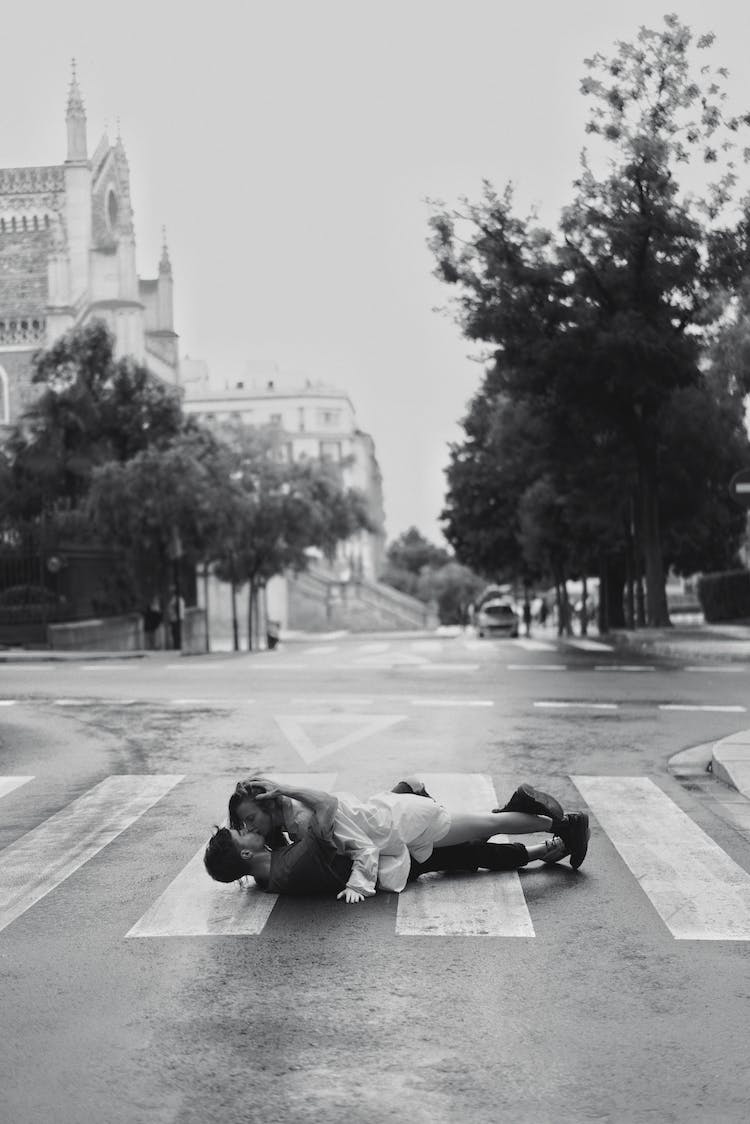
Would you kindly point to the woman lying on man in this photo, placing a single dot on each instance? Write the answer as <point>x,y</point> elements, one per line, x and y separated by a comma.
<point>303,841</point>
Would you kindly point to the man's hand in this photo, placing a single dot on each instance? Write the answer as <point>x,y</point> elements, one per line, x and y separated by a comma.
<point>350,896</point>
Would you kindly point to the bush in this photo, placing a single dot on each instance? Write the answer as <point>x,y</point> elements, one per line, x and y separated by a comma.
<point>725,596</point>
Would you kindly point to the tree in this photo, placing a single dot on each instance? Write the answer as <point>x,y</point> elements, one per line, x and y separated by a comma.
<point>611,314</point>
<point>454,587</point>
<point>162,495</point>
<point>278,511</point>
<point>92,409</point>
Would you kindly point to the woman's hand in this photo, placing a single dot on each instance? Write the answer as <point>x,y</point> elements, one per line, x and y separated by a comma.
<point>271,793</point>
<point>350,896</point>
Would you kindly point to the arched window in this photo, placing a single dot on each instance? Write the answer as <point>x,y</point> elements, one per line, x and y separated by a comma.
<point>4,398</point>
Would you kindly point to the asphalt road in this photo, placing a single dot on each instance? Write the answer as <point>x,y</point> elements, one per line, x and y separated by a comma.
<point>596,1007</point>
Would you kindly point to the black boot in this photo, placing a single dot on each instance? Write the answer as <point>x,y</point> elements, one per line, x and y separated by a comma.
<point>534,802</point>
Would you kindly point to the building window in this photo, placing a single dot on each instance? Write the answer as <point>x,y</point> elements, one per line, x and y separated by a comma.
<point>276,419</point>
<point>330,451</point>
<point>301,419</point>
<point>329,419</point>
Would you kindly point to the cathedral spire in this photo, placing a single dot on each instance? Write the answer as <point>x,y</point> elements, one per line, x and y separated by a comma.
<point>165,265</point>
<point>75,118</point>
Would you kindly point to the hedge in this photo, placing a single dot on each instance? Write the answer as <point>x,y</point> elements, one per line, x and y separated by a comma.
<point>725,596</point>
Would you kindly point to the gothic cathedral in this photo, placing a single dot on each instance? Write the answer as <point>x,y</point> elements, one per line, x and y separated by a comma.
<point>67,256</point>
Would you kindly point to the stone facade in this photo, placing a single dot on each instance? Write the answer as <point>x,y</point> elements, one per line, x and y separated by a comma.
<point>67,256</point>
<point>313,420</point>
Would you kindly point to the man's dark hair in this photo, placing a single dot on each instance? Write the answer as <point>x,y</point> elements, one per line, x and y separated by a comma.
<point>222,860</point>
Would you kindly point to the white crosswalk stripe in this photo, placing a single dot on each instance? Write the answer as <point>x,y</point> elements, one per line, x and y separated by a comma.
<point>44,857</point>
<point>195,906</point>
<point>587,645</point>
<point>699,892</point>
<point>479,905</point>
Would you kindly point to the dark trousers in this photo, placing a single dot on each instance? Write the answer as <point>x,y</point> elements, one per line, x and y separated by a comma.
<point>472,856</point>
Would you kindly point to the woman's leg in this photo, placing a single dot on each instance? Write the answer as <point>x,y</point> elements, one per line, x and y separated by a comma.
<point>471,828</point>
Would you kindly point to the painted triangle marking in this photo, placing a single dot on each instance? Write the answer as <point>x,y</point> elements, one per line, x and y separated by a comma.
<point>365,725</point>
<point>9,784</point>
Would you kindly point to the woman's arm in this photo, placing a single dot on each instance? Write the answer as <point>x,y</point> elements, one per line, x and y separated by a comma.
<point>323,805</point>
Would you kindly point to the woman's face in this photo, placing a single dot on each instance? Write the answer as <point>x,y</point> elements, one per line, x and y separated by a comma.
<point>254,817</point>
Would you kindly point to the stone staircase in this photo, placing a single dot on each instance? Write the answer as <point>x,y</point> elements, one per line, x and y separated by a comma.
<point>318,602</point>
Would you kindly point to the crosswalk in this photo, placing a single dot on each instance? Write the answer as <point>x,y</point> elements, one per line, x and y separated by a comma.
<point>696,891</point>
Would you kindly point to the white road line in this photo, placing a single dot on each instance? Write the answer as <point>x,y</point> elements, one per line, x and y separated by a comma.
<point>190,665</point>
<point>699,892</point>
<point>483,904</point>
<point>690,706</point>
<point>207,702</point>
<point>333,700</point>
<point>443,667</point>
<point>589,705</point>
<point>250,668</point>
<point>451,702</point>
<point>624,667</point>
<point>588,645</point>
<point>9,784</point>
<point>7,702</point>
<point>44,857</point>
<point>74,702</point>
<point>193,905</point>
<point>537,667</point>
<point>721,668</point>
<point>535,645</point>
<point>364,726</point>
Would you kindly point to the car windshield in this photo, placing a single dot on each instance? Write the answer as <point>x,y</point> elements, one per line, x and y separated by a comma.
<point>496,610</point>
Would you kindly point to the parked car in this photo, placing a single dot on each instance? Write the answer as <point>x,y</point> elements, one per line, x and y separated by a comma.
<point>496,618</point>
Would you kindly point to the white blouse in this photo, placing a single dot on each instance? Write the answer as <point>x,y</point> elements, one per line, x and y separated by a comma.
<point>382,833</point>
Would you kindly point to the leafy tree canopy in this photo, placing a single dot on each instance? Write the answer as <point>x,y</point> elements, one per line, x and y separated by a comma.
<point>599,327</point>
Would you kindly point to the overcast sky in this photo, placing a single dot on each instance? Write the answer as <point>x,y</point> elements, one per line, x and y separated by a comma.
<point>289,148</point>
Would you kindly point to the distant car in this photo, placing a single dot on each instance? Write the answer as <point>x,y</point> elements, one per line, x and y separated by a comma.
<point>497,618</point>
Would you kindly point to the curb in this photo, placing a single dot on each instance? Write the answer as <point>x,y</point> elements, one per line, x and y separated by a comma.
<point>730,761</point>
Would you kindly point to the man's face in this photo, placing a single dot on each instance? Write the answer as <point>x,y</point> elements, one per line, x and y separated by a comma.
<point>254,817</point>
<point>247,840</point>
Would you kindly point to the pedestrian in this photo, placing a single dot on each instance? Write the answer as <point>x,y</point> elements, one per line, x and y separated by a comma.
<point>152,618</point>
<point>543,612</point>
<point>527,617</point>
<point>352,847</point>
<point>176,615</point>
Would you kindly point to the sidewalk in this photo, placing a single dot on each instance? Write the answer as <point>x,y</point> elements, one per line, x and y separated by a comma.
<point>706,642</point>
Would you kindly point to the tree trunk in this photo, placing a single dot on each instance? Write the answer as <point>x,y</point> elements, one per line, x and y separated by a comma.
<point>584,607</point>
<point>611,589</point>
<point>235,628</point>
<point>250,615</point>
<point>657,614</point>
